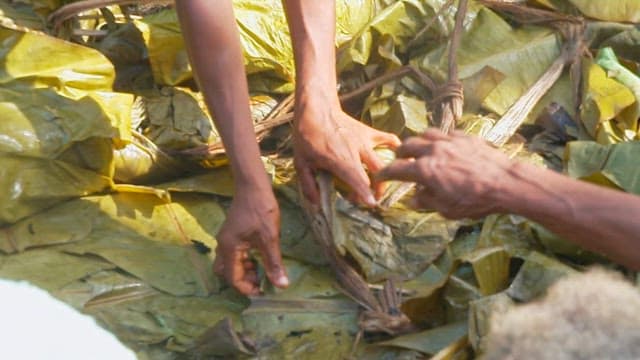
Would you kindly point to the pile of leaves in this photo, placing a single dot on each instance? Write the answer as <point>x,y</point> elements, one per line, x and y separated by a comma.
<point>114,182</point>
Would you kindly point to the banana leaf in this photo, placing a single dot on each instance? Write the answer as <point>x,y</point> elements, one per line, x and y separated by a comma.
<point>265,38</point>
<point>614,165</point>
<point>49,269</point>
<point>605,100</point>
<point>63,121</point>
<point>481,312</point>
<point>173,321</point>
<point>536,274</point>
<point>431,341</point>
<point>322,328</point>
<point>612,10</point>
<point>380,251</point>
<point>15,15</point>
<point>520,54</point>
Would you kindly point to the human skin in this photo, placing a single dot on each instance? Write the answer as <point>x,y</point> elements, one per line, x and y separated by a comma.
<point>464,177</point>
<point>325,138</point>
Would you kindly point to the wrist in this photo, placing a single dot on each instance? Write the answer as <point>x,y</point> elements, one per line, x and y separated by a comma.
<point>512,189</point>
<point>314,104</point>
<point>317,93</point>
<point>251,179</point>
<point>528,191</point>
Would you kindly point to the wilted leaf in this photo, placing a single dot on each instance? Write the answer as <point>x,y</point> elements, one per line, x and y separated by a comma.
<point>158,318</point>
<point>296,327</point>
<point>406,115</point>
<point>64,118</point>
<point>480,316</point>
<point>617,164</point>
<point>612,10</point>
<point>305,282</point>
<point>491,268</point>
<point>221,340</point>
<point>49,269</point>
<point>139,232</point>
<point>536,274</point>
<point>57,226</point>
<point>265,38</point>
<point>401,246</point>
<point>430,341</point>
<point>522,55</point>
<point>603,98</point>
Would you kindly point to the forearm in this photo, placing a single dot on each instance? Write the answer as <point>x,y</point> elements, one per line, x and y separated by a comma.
<point>312,27</point>
<point>213,44</point>
<point>594,217</point>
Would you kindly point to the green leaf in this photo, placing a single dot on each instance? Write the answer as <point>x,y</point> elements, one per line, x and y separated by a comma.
<point>617,163</point>
<point>522,55</point>
<point>612,10</point>
<point>536,274</point>
<point>604,98</point>
<point>480,316</point>
<point>297,327</point>
<point>49,269</point>
<point>430,341</point>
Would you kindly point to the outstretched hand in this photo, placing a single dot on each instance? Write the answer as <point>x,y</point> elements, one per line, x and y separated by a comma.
<point>457,175</point>
<point>326,138</point>
<point>253,221</point>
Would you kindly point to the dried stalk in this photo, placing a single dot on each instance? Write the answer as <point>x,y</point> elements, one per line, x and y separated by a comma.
<point>423,79</point>
<point>572,49</point>
<point>517,113</point>
<point>449,103</point>
<point>381,314</point>
<point>69,11</point>
<point>429,24</point>
<point>283,114</point>
<point>527,15</point>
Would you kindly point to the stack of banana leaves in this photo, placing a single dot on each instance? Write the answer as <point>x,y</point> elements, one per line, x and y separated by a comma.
<point>113,180</point>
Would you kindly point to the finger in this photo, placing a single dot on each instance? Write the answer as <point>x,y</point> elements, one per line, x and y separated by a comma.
<point>353,174</point>
<point>389,140</point>
<point>414,147</point>
<point>372,161</point>
<point>401,169</point>
<point>307,183</point>
<point>272,261</point>
<point>238,277</point>
<point>232,269</point>
<point>432,134</point>
<point>423,199</point>
<point>379,188</point>
<point>374,164</point>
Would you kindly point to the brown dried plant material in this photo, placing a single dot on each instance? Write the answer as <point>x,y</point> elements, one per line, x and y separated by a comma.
<point>572,31</point>
<point>66,12</point>
<point>381,314</point>
<point>448,109</point>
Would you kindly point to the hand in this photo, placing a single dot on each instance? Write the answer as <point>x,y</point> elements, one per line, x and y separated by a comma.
<point>458,175</point>
<point>325,138</point>
<point>253,221</point>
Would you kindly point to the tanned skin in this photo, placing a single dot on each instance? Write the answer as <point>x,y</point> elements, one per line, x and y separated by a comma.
<point>462,176</point>
<point>324,136</point>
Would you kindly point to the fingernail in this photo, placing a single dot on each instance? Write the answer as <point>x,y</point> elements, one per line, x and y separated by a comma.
<point>370,200</point>
<point>283,281</point>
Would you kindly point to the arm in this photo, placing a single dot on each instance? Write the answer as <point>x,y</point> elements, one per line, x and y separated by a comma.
<point>325,138</point>
<point>462,176</point>
<point>597,218</point>
<point>213,43</point>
